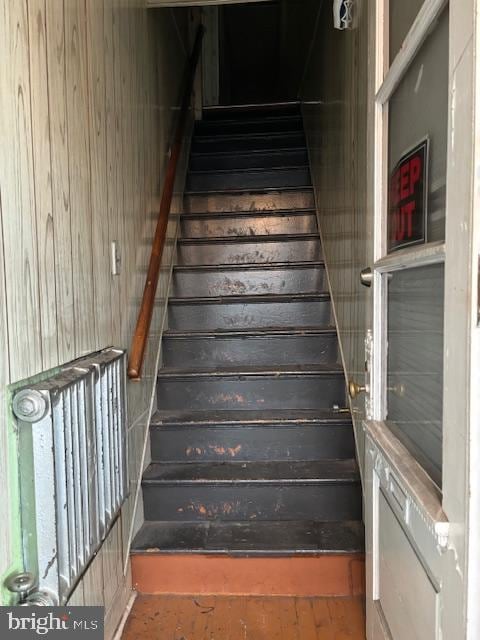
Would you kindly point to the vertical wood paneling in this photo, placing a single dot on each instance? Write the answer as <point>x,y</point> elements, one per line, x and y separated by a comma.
<point>17,193</point>
<point>336,122</point>
<point>93,581</point>
<point>112,563</point>
<point>98,171</point>
<point>42,180</point>
<point>81,164</point>
<point>5,531</point>
<point>60,180</point>
<point>80,194</point>
<point>128,152</point>
<point>120,162</point>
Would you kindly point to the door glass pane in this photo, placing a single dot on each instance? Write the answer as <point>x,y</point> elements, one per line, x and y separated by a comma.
<point>402,16</point>
<point>418,110</point>
<point>415,362</point>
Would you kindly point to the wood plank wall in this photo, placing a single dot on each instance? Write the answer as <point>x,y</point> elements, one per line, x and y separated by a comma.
<point>336,121</point>
<point>88,94</point>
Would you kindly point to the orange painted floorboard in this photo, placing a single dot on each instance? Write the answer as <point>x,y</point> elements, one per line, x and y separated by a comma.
<point>307,576</point>
<point>245,618</point>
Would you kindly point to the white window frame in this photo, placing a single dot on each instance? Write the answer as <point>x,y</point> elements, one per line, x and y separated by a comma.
<point>387,79</point>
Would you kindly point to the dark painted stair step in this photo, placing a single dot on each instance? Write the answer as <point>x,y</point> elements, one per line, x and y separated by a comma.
<point>225,280</point>
<point>246,125</point>
<point>248,223</point>
<point>211,417</point>
<point>241,312</point>
<point>250,249</point>
<point>248,142</point>
<point>235,112</point>
<point>281,387</point>
<point>202,438</point>
<point>253,200</point>
<point>266,158</point>
<point>280,490</point>
<point>266,538</point>
<point>258,347</point>
<point>248,179</point>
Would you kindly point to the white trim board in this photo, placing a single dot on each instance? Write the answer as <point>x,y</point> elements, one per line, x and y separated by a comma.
<point>419,31</point>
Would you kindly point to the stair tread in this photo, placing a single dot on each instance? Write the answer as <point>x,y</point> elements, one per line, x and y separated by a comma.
<point>252,417</point>
<point>260,331</point>
<point>244,371</point>
<point>249,190</point>
<point>247,170</point>
<point>242,152</point>
<point>248,266</point>
<point>218,112</point>
<point>250,537</point>
<point>214,137</point>
<point>280,237</point>
<point>248,298</point>
<point>294,117</point>
<point>256,472</point>
<point>272,213</point>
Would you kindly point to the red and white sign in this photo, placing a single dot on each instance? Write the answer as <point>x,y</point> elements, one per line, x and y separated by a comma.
<point>407,199</point>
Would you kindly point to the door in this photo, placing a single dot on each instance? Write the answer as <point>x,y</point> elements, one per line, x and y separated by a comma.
<point>421,367</point>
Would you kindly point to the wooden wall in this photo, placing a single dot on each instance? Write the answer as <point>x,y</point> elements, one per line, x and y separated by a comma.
<point>337,100</point>
<point>88,94</point>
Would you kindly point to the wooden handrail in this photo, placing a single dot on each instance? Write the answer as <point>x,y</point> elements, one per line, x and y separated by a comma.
<point>142,329</point>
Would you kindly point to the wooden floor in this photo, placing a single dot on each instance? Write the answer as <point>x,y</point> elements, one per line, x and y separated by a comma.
<point>245,618</point>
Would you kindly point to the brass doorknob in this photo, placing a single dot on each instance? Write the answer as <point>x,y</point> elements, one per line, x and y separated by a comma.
<point>354,389</point>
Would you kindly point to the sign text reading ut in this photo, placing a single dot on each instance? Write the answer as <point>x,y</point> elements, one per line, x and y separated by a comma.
<point>407,201</point>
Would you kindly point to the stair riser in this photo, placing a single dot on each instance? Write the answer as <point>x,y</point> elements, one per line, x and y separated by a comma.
<point>248,180</point>
<point>246,443</point>
<point>252,225</point>
<point>324,502</point>
<point>250,282</point>
<point>256,351</point>
<point>264,392</point>
<point>216,114</point>
<point>263,125</point>
<point>238,316</point>
<point>308,250</point>
<point>259,160</point>
<point>270,201</point>
<point>324,575</point>
<point>216,144</point>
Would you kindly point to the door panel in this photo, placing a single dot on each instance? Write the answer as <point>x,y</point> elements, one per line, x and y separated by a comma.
<point>406,528</point>
<point>406,595</point>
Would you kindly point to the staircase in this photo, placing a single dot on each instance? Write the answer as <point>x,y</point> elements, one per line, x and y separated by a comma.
<point>253,485</point>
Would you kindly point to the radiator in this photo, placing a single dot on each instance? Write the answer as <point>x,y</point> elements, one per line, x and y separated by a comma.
<point>72,465</point>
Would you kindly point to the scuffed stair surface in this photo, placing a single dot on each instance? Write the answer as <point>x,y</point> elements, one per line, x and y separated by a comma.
<point>252,447</point>
<point>278,472</point>
<point>266,298</point>
<point>251,538</point>
<point>245,333</point>
<point>206,417</point>
<point>250,160</point>
<point>251,371</point>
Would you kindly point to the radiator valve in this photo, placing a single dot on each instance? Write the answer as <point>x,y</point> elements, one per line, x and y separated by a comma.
<point>24,585</point>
